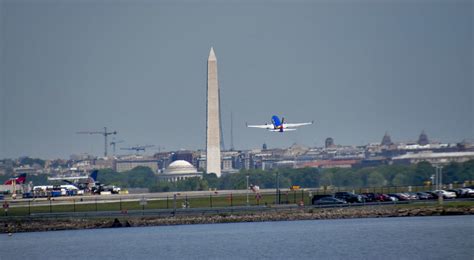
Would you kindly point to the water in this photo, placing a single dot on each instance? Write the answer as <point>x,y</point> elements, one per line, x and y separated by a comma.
<point>388,238</point>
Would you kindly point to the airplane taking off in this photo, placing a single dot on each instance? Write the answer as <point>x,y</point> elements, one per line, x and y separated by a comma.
<point>280,126</point>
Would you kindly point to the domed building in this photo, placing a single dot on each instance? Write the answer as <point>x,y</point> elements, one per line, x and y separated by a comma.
<point>386,140</point>
<point>179,170</point>
<point>423,139</point>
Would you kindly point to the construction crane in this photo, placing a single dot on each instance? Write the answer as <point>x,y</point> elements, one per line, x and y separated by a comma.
<point>137,148</point>
<point>114,143</point>
<point>104,133</point>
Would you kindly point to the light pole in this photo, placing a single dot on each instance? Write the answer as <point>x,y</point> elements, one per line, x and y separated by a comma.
<point>277,194</point>
<point>174,205</point>
<point>439,181</point>
<point>247,189</point>
<point>433,182</point>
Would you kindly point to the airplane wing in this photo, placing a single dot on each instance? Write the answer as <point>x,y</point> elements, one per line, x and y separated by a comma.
<point>68,178</point>
<point>296,125</point>
<point>265,126</point>
<point>284,130</point>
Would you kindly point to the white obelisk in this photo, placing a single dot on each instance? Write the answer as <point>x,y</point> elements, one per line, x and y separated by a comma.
<point>213,149</point>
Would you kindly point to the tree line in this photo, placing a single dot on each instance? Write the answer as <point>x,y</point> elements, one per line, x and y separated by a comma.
<point>389,175</point>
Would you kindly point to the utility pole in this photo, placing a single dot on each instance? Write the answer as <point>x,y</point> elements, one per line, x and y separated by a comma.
<point>277,195</point>
<point>439,177</point>
<point>174,205</point>
<point>247,190</point>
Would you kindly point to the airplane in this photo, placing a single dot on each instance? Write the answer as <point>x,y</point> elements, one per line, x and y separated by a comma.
<point>91,183</point>
<point>280,126</point>
<point>76,180</point>
<point>21,179</point>
<point>52,187</point>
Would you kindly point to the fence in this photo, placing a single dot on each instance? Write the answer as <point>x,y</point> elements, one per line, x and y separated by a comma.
<point>157,201</point>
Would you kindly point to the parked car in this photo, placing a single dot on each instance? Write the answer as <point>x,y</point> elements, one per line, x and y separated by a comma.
<point>399,196</point>
<point>348,196</point>
<point>373,197</point>
<point>435,195</point>
<point>424,196</point>
<point>445,194</point>
<point>456,191</point>
<point>467,193</point>
<point>386,197</point>
<point>412,195</point>
<point>318,197</point>
<point>329,201</point>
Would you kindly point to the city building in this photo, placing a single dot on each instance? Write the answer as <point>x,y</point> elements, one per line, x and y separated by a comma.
<point>433,158</point>
<point>386,140</point>
<point>423,138</point>
<point>183,155</point>
<point>330,164</point>
<point>127,163</point>
<point>329,142</point>
<point>179,170</point>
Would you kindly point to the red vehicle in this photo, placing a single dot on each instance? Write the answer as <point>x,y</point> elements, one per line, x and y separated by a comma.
<point>373,197</point>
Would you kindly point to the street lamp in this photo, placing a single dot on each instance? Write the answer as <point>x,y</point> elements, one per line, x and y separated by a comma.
<point>174,205</point>
<point>439,180</point>
<point>247,190</point>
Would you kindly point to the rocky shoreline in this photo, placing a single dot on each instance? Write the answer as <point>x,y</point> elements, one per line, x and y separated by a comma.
<point>47,224</point>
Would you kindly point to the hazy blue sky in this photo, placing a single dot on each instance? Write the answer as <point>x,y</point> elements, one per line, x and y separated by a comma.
<point>357,68</point>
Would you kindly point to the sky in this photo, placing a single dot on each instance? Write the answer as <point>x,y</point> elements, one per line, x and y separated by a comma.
<point>357,68</point>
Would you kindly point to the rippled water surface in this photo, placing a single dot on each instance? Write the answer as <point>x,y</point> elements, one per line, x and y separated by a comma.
<point>449,237</point>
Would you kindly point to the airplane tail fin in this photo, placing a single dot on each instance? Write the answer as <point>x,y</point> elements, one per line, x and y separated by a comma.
<point>276,121</point>
<point>93,175</point>
<point>21,179</point>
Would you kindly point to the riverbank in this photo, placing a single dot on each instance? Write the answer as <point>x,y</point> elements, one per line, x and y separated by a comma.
<point>12,225</point>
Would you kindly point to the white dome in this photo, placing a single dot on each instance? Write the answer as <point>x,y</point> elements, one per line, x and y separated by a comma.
<point>179,167</point>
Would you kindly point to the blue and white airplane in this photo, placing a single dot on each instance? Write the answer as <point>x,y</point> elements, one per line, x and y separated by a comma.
<point>280,126</point>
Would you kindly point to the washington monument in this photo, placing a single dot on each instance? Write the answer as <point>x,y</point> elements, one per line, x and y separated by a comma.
<point>213,149</point>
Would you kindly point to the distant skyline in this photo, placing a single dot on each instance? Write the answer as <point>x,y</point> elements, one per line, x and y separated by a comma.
<point>357,68</point>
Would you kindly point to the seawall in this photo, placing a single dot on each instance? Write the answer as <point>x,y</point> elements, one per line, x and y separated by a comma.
<point>12,225</point>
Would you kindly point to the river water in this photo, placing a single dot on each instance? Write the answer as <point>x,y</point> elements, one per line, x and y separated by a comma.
<point>447,237</point>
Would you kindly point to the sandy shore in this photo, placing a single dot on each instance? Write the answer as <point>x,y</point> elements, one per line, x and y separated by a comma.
<point>48,224</point>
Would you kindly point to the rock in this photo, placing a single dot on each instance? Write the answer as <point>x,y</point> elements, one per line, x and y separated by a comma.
<point>116,223</point>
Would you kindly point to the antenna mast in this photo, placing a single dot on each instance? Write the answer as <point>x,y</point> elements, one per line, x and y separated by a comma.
<point>231,131</point>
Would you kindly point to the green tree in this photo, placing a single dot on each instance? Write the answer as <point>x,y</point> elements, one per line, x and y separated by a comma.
<point>211,179</point>
<point>423,172</point>
<point>163,186</point>
<point>400,180</point>
<point>376,179</point>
